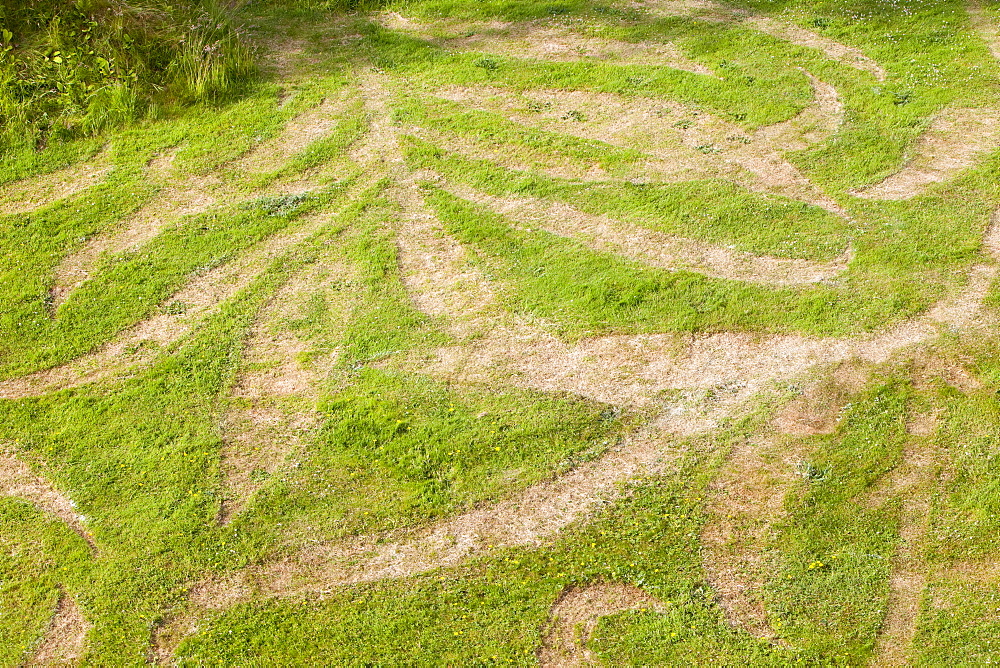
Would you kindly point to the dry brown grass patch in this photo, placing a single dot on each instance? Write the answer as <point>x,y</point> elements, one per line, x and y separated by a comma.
<point>818,409</point>
<point>550,165</point>
<point>726,369</point>
<point>575,615</point>
<point>298,134</point>
<point>34,193</point>
<point>604,234</point>
<point>65,640</point>
<point>191,197</point>
<point>746,500</point>
<point>679,140</point>
<point>913,482</point>
<point>258,442</point>
<point>832,49</point>
<point>203,597</point>
<point>19,481</point>
<point>138,346</point>
<point>528,518</point>
<point>784,30</point>
<point>435,267</point>
<point>985,26</point>
<point>955,140</point>
<point>549,43</point>
<point>278,385</point>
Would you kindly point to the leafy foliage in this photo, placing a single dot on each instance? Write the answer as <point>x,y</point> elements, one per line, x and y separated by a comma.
<point>73,67</point>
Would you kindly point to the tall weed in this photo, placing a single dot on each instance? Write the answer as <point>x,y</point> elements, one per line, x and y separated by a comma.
<point>214,58</point>
<point>77,68</point>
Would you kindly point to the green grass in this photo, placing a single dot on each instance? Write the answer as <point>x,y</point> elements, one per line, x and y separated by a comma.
<point>965,526</point>
<point>78,69</point>
<point>836,609</point>
<point>432,67</point>
<point>384,321</point>
<point>128,287</point>
<point>53,555</point>
<point>534,146</point>
<point>959,621</point>
<point>397,449</point>
<point>785,228</point>
<point>586,292</point>
<point>492,610</point>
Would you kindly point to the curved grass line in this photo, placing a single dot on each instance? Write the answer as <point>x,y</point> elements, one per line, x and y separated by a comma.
<point>19,481</point>
<point>137,347</point>
<point>675,139</point>
<point>31,194</point>
<point>575,614</point>
<point>543,510</point>
<point>954,141</point>
<point>783,30</point>
<point>664,251</point>
<point>65,639</point>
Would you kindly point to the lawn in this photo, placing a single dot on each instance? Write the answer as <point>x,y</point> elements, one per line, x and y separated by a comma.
<point>511,332</point>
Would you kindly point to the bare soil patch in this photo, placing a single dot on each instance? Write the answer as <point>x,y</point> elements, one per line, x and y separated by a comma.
<point>65,640</point>
<point>35,193</point>
<point>602,233</point>
<point>575,615</point>
<point>19,481</point>
<point>955,140</point>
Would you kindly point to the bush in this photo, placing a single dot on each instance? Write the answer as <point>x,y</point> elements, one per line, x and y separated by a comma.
<point>72,67</point>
